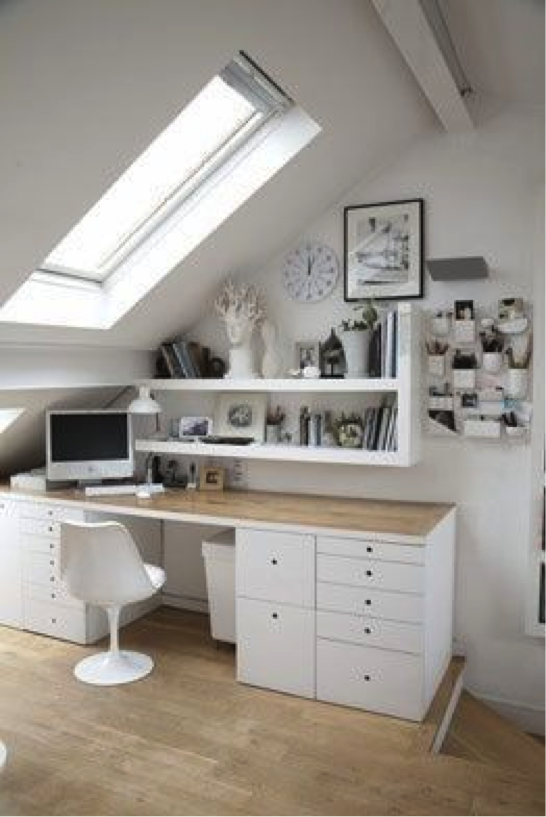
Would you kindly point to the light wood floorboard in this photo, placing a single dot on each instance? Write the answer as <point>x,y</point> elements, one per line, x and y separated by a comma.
<point>190,740</point>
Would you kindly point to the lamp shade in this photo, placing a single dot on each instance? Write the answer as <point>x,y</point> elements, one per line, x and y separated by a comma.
<point>144,403</point>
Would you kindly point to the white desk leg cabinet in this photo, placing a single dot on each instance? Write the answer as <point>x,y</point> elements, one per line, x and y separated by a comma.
<point>362,622</point>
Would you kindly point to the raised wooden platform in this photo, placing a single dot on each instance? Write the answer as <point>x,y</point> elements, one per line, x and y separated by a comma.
<point>190,740</point>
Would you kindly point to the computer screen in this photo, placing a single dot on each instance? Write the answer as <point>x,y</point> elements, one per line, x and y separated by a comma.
<point>89,445</point>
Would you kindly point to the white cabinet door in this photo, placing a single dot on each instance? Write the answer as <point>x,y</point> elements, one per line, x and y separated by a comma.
<point>11,595</point>
<point>276,646</point>
<point>276,566</point>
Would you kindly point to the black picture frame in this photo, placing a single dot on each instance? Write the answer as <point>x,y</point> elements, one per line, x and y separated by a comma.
<point>406,246</point>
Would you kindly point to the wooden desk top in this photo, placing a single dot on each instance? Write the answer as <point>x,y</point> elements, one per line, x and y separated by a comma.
<point>407,521</point>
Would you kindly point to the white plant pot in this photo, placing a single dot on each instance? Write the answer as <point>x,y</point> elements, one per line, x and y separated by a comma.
<point>517,383</point>
<point>492,362</point>
<point>241,363</point>
<point>356,346</point>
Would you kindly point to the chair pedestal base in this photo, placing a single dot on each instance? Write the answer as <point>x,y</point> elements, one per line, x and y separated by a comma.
<point>3,755</point>
<point>111,668</point>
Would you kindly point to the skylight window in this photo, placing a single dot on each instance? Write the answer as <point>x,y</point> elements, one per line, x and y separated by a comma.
<point>219,121</point>
<point>237,133</point>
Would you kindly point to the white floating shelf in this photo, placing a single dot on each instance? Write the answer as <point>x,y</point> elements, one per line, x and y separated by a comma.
<point>294,384</point>
<point>281,453</point>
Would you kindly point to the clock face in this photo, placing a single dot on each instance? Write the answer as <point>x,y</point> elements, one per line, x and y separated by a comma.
<point>310,272</point>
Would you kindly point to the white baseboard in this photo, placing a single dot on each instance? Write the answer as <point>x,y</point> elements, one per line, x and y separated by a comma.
<point>185,603</point>
<point>527,717</point>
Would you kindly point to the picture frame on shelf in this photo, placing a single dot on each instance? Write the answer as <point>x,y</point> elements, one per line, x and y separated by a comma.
<point>306,353</point>
<point>383,250</point>
<point>212,479</point>
<point>194,427</point>
<point>238,414</point>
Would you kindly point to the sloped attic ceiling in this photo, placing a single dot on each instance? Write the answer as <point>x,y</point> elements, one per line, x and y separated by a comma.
<point>90,84</point>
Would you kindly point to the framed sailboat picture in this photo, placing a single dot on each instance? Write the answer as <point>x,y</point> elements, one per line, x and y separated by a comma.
<point>384,250</point>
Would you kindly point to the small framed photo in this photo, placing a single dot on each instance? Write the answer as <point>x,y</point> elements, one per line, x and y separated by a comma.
<point>510,308</point>
<point>383,257</point>
<point>194,427</point>
<point>464,310</point>
<point>306,353</point>
<point>241,415</point>
<point>211,479</point>
<point>469,399</point>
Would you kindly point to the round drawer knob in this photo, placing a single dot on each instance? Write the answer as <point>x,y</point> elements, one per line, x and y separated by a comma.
<point>53,596</point>
<point>369,549</point>
<point>52,578</point>
<point>369,573</point>
<point>367,630</point>
<point>368,602</point>
<point>50,529</point>
<point>53,620</point>
<point>274,615</point>
<point>52,563</point>
<point>273,561</point>
<point>51,545</point>
<point>367,678</point>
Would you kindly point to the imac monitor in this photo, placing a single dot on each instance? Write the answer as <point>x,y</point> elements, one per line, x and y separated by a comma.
<point>89,445</point>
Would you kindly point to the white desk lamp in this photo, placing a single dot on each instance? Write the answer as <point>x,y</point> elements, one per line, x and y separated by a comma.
<point>145,404</point>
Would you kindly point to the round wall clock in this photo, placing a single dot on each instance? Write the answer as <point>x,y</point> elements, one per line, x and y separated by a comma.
<point>310,272</point>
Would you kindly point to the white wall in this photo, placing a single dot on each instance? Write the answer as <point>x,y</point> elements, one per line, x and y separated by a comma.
<point>480,194</point>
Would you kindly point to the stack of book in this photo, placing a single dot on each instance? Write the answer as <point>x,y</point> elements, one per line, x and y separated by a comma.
<point>184,359</point>
<point>383,354</point>
<point>381,428</point>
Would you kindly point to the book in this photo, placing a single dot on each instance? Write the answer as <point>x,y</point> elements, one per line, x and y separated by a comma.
<point>185,361</point>
<point>171,360</point>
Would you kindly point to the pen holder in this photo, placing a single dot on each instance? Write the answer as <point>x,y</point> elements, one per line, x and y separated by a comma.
<point>492,362</point>
<point>517,384</point>
<point>436,365</point>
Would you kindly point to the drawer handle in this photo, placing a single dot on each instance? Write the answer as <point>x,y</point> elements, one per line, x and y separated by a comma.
<point>367,630</point>
<point>369,573</point>
<point>274,561</point>
<point>52,563</point>
<point>367,678</point>
<point>50,529</point>
<point>369,549</point>
<point>53,620</point>
<point>274,615</point>
<point>52,578</point>
<point>53,596</point>
<point>51,546</point>
<point>368,602</point>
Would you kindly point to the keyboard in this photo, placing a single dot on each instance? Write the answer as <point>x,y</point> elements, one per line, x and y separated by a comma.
<point>122,490</point>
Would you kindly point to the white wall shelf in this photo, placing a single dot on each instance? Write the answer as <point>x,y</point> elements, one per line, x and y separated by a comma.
<point>405,389</point>
<point>293,385</point>
<point>279,453</point>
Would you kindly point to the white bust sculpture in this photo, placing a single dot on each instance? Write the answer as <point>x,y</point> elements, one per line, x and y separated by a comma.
<point>240,308</point>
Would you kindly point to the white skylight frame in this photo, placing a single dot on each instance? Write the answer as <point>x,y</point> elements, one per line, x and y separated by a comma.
<point>53,299</point>
<point>217,123</point>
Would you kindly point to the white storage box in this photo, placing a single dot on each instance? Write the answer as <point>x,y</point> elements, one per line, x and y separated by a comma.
<point>219,556</point>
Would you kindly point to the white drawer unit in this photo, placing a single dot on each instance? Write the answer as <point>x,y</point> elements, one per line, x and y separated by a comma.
<point>377,603</point>
<point>276,646</point>
<point>276,566</point>
<point>41,568</point>
<point>404,578</point>
<point>11,606</point>
<point>48,528</point>
<point>53,593</point>
<point>370,632</point>
<point>380,680</point>
<point>370,549</point>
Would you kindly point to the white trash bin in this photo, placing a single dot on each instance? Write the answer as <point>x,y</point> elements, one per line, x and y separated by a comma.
<point>219,556</point>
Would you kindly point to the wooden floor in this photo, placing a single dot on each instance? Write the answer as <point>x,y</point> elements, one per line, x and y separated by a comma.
<point>190,740</point>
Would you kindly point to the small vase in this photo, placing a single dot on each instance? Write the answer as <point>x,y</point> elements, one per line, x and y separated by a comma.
<point>351,435</point>
<point>356,346</point>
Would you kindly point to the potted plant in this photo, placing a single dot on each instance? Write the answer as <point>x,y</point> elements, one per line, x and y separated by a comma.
<point>356,339</point>
<point>349,431</point>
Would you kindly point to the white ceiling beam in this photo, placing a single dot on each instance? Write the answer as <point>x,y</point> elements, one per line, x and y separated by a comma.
<point>407,23</point>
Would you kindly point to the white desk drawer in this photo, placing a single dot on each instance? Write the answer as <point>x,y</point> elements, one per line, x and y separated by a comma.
<point>40,544</point>
<point>341,598</point>
<point>55,620</point>
<point>364,573</point>
<point>55,513</point>
<point>276,647</point>
<point>366,549</point>
<point>370,632</point>
<point>56,593</point>
<point>276,567</point>
<point>41,568</point>
<point>378,680</point>
<point>41,527</point>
